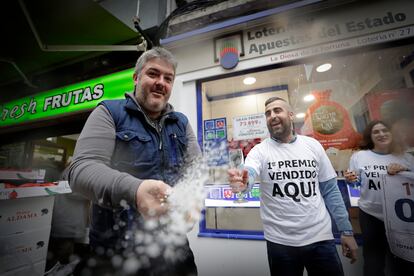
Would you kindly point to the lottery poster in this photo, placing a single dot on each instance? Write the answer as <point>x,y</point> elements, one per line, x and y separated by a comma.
<point>250,127</point>
<point>215,142</point>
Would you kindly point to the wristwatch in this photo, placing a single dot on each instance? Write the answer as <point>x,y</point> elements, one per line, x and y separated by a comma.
<point>347,233</point>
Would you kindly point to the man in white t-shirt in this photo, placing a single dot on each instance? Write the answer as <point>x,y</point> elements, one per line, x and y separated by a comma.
<point>298,184</point>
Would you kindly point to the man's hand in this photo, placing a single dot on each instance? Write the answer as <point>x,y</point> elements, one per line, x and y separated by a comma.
<point>350,176</point>
<point>152,197</point>
<point>238,179</point>
<point>349,247</point>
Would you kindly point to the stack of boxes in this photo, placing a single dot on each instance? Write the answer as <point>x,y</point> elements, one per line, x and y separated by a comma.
<point>25,223</point>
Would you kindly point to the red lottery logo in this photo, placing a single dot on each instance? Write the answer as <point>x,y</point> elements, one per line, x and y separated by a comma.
<point>227,193</point>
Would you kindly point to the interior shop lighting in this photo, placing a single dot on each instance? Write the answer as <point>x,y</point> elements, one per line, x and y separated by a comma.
<point>309,98</point>
<point>300,115</point>
<point>324,67</point>
<point>249,80</point>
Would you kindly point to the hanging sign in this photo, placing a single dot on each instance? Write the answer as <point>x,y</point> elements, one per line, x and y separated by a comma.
<point>62,101</point>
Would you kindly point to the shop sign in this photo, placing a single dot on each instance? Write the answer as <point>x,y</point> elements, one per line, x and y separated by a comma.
<point>250,127</point>
<point>288,34</point>
<point>387,36</point>
<point>65,100</point>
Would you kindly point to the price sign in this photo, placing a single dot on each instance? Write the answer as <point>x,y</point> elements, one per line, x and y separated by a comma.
<point>398,209</point>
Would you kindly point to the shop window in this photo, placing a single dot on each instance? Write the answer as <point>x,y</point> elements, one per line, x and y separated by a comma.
<point>50,157</point>
<point>51,154</point>
<point>333,98</point>
<point>13,156</point>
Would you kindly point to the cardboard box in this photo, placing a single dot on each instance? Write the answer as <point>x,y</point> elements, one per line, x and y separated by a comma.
<point>24,249</point>
<point>20,215</point>
<point>44,189</point>
<point>28,175</point>
<point>27,270</point>
<point>25,223</point>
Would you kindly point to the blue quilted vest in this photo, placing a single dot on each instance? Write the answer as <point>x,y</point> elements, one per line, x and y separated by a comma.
<point>145,152</point>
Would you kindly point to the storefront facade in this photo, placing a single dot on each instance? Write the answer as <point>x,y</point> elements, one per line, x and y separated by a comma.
<point>368,49</point>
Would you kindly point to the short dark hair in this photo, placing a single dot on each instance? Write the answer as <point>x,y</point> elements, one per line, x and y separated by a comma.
<point>367,142</point>
<point>272,99</point>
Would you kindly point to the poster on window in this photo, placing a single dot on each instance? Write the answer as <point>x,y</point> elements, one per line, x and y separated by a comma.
<point>329,123</point>
<point>398,191</point>
<point>215,142</point>
<point>250,127</point>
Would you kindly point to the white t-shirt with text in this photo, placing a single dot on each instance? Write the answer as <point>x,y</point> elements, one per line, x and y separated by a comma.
<point>292,208</point>
<point>369,166</point>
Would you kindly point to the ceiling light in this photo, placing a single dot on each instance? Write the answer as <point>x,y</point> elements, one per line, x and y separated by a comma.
<point>300,115</point>
<point>309,98</point>
<point>324,67</point>
<point>249,80</point>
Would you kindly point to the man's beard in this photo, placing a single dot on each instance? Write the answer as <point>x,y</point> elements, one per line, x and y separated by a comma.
<point>281,133</point>
<point>148,103</point>
<point>157,106</point>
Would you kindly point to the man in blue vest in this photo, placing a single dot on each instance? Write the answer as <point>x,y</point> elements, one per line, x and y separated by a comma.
<point>128,156</point>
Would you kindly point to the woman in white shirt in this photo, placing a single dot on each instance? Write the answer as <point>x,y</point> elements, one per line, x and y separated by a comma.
<point>378,155</point>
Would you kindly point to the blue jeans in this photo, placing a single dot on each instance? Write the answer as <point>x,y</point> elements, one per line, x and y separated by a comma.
<point>319,259</point>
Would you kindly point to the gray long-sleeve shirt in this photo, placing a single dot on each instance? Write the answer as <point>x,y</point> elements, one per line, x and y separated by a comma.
<point>90,172</point>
